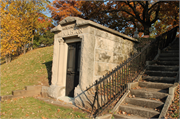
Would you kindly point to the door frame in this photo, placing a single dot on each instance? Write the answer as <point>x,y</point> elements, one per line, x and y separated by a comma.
<point>69,40</point>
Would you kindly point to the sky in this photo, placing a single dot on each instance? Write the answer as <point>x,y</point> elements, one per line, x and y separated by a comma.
<point>47,12</point>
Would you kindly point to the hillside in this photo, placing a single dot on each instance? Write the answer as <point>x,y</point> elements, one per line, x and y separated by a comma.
<point>32,68</point>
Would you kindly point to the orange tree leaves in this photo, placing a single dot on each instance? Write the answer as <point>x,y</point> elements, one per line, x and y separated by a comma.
<point>62,9</point>
<point>123,16</point>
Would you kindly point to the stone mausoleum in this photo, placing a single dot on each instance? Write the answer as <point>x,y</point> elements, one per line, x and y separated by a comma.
<point>83,52</point>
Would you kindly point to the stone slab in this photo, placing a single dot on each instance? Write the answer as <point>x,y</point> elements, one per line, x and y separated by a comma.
<point>25,92</point>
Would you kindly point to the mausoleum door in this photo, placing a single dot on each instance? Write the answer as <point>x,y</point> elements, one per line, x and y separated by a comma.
<point>73,64</point>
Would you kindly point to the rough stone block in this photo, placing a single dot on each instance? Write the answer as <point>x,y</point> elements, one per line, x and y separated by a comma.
<point>103,56</point>
<point>82,98</point>
<point>44,91</point>
<point>101,69</point>
<point>132,85</point>
<point>117,58</point>
<point>56,91</point>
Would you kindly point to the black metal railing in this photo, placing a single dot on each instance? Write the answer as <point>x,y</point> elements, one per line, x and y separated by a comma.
<point>114,84</point>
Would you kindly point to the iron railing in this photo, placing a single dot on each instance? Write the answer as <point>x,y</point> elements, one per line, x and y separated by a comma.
<point>114,84</point>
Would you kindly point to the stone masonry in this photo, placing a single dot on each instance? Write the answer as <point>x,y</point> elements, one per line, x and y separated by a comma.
<point>102,49</point>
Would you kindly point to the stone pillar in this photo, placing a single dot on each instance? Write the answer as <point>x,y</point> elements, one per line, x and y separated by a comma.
<point>62,66</point>
<point>57,88</point>
<point>55,62</point>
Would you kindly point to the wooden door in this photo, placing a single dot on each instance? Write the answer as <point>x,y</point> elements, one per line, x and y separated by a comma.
<point>73,64</point>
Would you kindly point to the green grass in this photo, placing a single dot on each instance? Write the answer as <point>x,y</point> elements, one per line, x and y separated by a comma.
<point>32,68</point>
<point>34,108</point>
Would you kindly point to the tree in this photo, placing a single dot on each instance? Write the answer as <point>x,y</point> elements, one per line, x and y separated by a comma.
<point>123,16</point>
<point>44,36</point>
<point>140,14</point>
<point>168,18</point>
<point>14,31</point>
<point>61,9</point>
<point>19,23</point>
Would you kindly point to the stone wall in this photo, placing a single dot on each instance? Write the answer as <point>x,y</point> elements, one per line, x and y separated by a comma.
<point>110,50</point>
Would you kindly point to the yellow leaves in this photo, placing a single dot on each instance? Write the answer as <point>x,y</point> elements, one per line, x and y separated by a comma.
<point>18,19</point>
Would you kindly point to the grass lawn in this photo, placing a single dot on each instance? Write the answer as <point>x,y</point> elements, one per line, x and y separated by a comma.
<point>34,108</point>
<point>33,68</point>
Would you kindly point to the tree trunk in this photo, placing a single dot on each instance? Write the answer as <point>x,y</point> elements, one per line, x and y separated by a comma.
<point>8,58</point>
<point>32,43</point>
<point>24,48</point>
<point>146,30</point>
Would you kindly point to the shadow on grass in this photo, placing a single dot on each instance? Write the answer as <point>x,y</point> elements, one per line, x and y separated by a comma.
<point>49,70</point>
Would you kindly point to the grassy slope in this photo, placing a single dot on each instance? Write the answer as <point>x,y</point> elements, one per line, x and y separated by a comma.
<point>32,68</point>
<point>29,69</point>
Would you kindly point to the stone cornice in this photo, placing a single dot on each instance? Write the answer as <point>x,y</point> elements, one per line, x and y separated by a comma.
<point>58,28</point>
<point>81,22</point>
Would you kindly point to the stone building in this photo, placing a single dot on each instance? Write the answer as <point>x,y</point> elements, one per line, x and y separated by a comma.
<point>83,52</point>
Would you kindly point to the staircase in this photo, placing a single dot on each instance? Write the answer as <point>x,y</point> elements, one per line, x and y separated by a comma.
<point>148,98</point>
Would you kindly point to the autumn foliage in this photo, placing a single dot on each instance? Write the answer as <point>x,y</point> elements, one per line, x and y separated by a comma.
<point>20,20</point>
<point>62,9</point>
<point>123,16</point>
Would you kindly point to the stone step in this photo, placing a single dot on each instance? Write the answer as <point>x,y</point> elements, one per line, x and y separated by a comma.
<point>142,93</point>
<point>168,63</point>
<point>161,73</point>
<point>159,79</point>
<point>153,89</point>
<point>168,58</point>
<point>144,102</point>
<point>162,68</point>
<point>155,85</point>
<point>123,116</point>
<point>139,111</point>
<point>169,55</point>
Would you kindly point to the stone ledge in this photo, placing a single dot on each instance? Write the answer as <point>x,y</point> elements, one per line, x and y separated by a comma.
<point>25,92</point>
<point>166,106</point>
<point>116,108</point>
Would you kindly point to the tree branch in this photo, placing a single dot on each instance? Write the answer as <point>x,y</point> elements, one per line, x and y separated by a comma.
<point>155,4</point>
<point>135,12</point>
<point>157,15</point>
<point>141,3</point>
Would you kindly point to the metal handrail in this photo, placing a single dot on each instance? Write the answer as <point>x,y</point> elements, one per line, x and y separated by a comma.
<point>114,83</point>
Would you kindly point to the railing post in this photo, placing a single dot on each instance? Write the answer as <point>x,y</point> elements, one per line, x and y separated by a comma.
<point>96,96</point>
